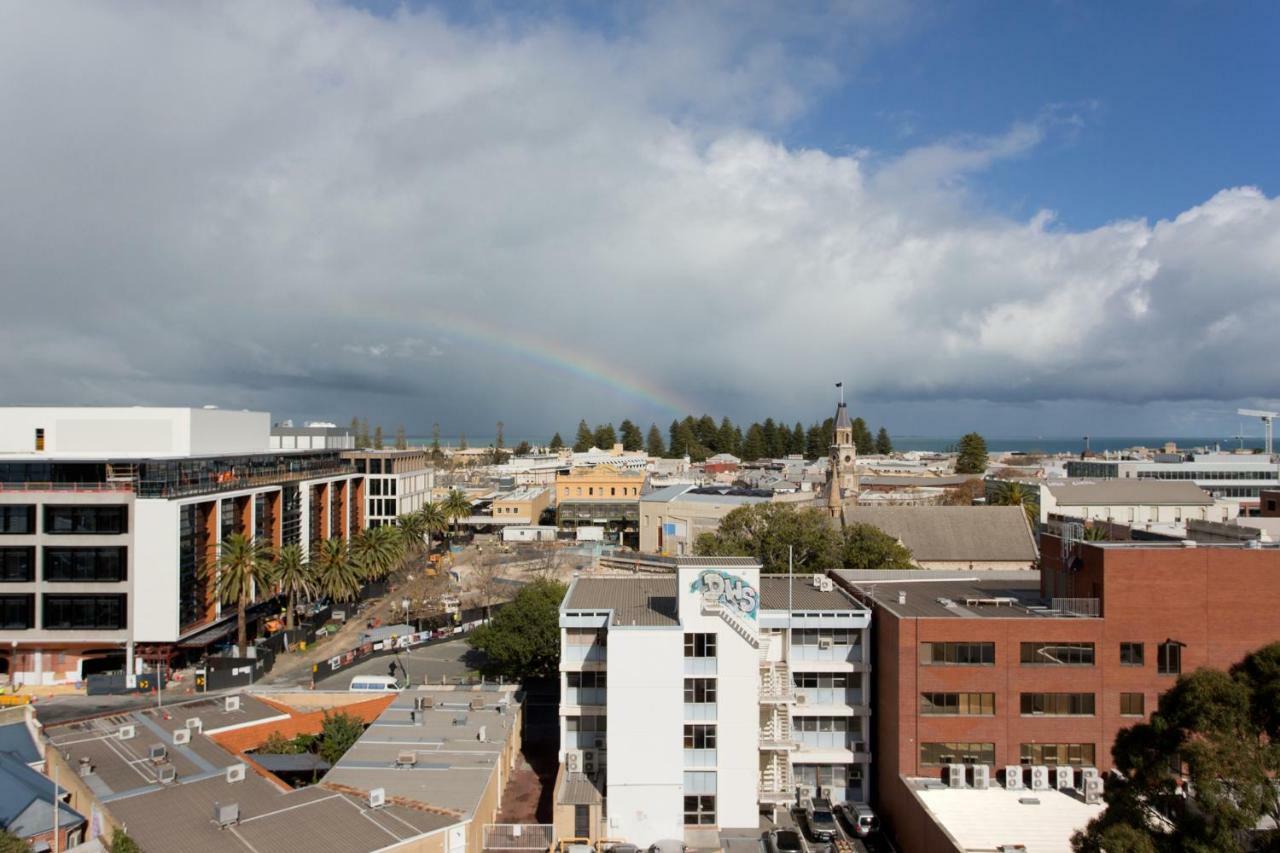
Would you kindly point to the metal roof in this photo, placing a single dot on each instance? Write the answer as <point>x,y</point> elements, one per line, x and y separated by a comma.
<point>957,598</point>
<point>646,600</point>
<point>16,738</point>
<point>579,789</point>
<point>803,596</point>
<point>1122,492</point>
<point>953,533</point>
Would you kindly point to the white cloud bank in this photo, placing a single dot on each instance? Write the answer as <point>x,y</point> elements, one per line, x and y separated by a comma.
<point>260,203</point>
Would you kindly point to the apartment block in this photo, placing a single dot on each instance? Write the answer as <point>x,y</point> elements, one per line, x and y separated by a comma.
<point>397,482</point>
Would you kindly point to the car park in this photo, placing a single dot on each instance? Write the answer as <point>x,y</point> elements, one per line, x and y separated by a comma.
<point>784,841</point>
<point>821,820</point>
<point>861,819</point>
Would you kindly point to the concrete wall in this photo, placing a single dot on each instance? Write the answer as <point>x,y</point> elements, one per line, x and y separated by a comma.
<point>134,431</point>
<point>154,605</point>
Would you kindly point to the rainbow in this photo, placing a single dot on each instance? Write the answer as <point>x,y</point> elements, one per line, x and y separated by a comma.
<point>557,357</point>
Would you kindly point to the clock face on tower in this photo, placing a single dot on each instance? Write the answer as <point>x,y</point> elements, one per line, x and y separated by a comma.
<point>848,458</point>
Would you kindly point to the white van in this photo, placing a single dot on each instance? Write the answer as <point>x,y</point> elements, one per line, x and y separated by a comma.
<point>374,684</point>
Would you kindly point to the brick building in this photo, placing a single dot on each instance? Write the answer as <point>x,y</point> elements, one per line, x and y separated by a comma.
<point>1006,670</point>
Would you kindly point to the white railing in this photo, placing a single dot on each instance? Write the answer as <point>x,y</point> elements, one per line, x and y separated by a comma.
<point>518,836</point>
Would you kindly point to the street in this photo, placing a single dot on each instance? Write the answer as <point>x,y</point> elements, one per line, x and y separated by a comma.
<point>450,660</point>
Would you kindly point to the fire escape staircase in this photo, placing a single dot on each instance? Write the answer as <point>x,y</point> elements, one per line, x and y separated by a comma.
<point>743,627</point>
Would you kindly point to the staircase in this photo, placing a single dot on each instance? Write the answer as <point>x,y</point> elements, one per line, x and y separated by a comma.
<point>775,730</point>
<point>747,631</point>
<point>775,682</point>
<point>776,782</point>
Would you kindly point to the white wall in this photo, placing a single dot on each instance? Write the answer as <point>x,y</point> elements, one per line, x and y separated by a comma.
<point>154,604</point>
<point>646,734</point>
<point>216,431</point>
<point>133,431</point>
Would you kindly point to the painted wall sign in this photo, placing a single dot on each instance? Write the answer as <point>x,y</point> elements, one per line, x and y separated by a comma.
<point>729,590</point>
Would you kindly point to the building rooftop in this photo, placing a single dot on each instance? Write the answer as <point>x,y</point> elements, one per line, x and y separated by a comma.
<point>952,597</point>
<point>579,789</point>
<point>26,800</point>
<point>803,595</point>
<point>953,533</point>
<point>15,738</point>
<point>1123,492</point>
<point>527,493</point>
<point>986,819</point>
<point>686,492</point>
<point>647,600</point>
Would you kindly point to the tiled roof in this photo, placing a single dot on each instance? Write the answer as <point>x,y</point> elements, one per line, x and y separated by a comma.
<point>578,789</point>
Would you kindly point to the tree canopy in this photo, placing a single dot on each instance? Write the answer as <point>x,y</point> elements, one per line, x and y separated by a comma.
<point>583,440</point>
<point>865,546</point>
<point>1223,730</point>
<point>973,454</point>
<point>884,445</point>
<point>523,638</point>
<point>654,445</point>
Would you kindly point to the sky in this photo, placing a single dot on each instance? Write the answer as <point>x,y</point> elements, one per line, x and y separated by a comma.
<point>1046,218</point>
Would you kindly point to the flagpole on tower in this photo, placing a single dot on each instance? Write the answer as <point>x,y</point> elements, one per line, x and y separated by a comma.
<point>840,385</point>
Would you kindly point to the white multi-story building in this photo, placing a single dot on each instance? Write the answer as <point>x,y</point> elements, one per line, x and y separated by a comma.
<point>695,700</point>
<point>397,482</point>
<point>111,521</point>
<point>1238,477</point>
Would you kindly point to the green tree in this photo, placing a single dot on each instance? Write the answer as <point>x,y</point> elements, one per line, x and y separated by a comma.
<point>498,438</point>
<point>582,443</point>
<point>437,455</point>
<point>754,446</point>
<point>523,449</point>
<point>1097,531</point>
<point>557,443</point>
<point>797,440</point>
<point>522,640</point>
<point>884,446</point>
<point>689,441</point>
<point>765,531</point>
<point>355,430</point>
<point>362,437</point>
<point>774,444</point>
<point>707,433</point>
<point>402,440</point>
<point>972,458</point>
<point>864,546</point>
<point>335,574</point>
<point>377,437</point>
<point>631,437</point>
<point>1221,730</point>
<point>294,576</point>
<point>456,506</point>
<point>815,443</point>
<point>654,445</point>
<point>862,440</point>
<point>243,564</point>
<point>677,445</point>
<point>121,842</point>
<point>377,551</point>
<point>1015,493</point>
<point>605,437</point>
<point>278,744</point>
<point>727,438</point>
<point>433,521</point>
<point>10,843</point>
<point>338,733</point>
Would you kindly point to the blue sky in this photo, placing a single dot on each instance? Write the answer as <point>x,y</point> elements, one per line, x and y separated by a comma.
<point>1026,218</point>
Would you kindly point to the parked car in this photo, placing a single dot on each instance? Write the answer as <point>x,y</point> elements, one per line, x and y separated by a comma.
<point>862,820</point>
<point>821,820</point>
<point>374,684</point>
<point>783,841</point>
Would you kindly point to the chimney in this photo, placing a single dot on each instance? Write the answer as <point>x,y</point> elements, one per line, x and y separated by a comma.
<point>902,596</point>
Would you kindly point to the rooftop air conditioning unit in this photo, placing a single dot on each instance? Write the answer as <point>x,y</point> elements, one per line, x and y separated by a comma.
<point>476,705</point>
<point>1065,779</point>
<point>828,585</point>
<point>573,760</point>
<point>85,767</point>
<point>1039,778</point>
<point>406,758</point>
<point>824,643</point>
<point>235,773</point>
<point>598,743</point>
<point>802,699</point>
<point>588,761</point>
<point>232,704</point>
<point>1087,773</point>
<point>805,790</point>
<point>226,815</point>
<point>817,581</point>
<point>181,736</point>
<point>377,798</point>
<point>1013,777</point>
<point>981,777</point>
<point>955,776</point>
<point>1093,790</point>
<point>195,724</point>
<point>481,735</point>
<point>423,703</point>
<point>127,732</point>
<point>157,752</point>
<point>166,773</point>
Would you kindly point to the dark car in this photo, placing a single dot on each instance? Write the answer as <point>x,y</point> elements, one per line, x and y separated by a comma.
<point>783,841</point>
<point>821,820</point>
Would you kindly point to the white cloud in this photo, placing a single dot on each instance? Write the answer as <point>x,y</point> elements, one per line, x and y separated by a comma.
<point>197,194</point>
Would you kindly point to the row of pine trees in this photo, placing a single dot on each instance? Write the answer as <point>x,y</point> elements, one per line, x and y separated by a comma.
<point>702,437</point>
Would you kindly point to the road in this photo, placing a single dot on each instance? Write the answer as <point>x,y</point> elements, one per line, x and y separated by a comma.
<point>450,660</point>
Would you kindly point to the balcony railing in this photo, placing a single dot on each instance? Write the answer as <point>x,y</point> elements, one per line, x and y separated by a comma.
<point>66,487</point>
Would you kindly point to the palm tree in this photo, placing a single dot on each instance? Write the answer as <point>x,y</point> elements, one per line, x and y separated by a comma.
<point>1097,532</point>
<point>412,527</point>
<point>242,565</point>
<point>456,506</point>
<point>1013,493</point>
<point>295,577</point>
<point>335,574</point>
<point>434,519</point>
<point>376,551</point>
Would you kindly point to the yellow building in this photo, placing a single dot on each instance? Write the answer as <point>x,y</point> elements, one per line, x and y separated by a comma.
<point>601,497</point>
<point>598,482</point>
<point>526,505</point>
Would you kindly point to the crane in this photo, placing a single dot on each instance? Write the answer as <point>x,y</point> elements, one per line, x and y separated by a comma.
<point>1267,419</point>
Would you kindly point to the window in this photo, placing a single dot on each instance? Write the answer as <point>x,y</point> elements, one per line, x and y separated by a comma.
<point>17,518</point>
<point>699,737</point>
<point>585,679</point>
<point>966,704</point>
<point>821,679</point>
<point>81,612</point>
<point>699,645</point>
<point>39,438</point>
<point>17,565</point>
<point>1169,658</point>
<point>17,612</point>
<point>816,636</point>
<point>1058,704</point>
<point>586,723</point>
<point>1132,705</point>
<point>86,519</point>
<point>1057,753</point>
<point>586,637</point>
<point>699,691</point>
<point>1058,654</point>
<point>972,654</point>
<point>85,565</point>
<point>700,810</point>
<point>1132,654</point>
<point>952,752</point>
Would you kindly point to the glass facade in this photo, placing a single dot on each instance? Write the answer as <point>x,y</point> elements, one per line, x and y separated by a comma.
<point>291,515</point>
<point>17,565</point>
<point>17,612</point>
<point>17,519</point>
<point>85,565</point>
<point>86,519</point>
<point>84,612</point>
<point>193,541</point>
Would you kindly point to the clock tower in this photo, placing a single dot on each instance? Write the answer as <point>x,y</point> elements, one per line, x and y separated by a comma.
<point>842,480</point>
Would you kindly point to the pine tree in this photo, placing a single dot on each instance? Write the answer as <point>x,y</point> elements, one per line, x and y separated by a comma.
<point>355,430</point>
<point>557,443</point>
<point>862,439</point>
<point>582,443</point>
<point>655,446</point>
<point>708,433</point>
<point>498,439</point>
<point>678,447</point>
<point>727,438</point>
<point>436,453</point>
<point>362,437</point>
<point>972,452</point>
<point>605,438</point>
<point>631,437</point>
<point>883,445</point>
<point>377,437</point>
<point>402,441</point>
<point>462,441</point>
<point>797,439</point>
<point>770,430</point>
<point>754,446</point>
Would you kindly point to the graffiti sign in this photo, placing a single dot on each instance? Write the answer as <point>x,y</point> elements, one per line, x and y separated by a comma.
<point>729,590</point>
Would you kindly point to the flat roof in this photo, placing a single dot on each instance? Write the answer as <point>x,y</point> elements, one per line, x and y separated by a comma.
<point>525,493</point>
<point>951,597</point>
<point>986,819</point>
<point>1118,492</point>
<point>648,600</point>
